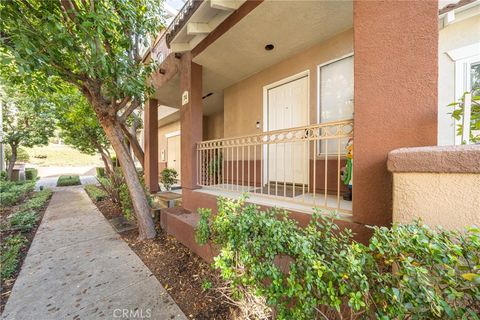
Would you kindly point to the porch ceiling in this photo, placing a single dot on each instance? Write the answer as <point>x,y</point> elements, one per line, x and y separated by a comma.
<point>291,26</point>
<point>169,95</point>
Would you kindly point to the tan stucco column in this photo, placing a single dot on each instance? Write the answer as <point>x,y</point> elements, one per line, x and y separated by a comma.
<point>151,145</point>
<point>191,113</point>
<point>396,66</point>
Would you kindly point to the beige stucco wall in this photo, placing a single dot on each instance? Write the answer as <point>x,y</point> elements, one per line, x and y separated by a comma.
<point>450,200</point>
<point>243,101</point>
<point>456,35</point>
<point>213,126</point>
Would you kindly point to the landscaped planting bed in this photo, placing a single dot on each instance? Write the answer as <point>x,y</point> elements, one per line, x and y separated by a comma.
<point>18,225</point>
<point>64,181</point>
<point>186,277</point>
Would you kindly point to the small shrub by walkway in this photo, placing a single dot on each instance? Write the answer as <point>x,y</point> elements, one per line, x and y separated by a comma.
<point>64,181</point>
<point>11,192</point>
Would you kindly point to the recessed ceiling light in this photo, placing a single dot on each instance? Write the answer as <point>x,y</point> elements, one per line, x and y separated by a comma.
<point>269,47</point>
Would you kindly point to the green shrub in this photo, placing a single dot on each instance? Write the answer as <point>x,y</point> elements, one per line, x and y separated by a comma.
<point>168,177</point>
<point>64,181</point>
<point>3,175</point>
<point>95,192</point>
<point>12,192</point>
<point>115,186</point>
<point>10,254</point>
<point>31,173</point>
<point>23,220</point>
<point>38,200</point>
<point>406,272</point>
<point>100,172</point>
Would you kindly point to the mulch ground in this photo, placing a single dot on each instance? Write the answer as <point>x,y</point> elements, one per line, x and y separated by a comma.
<point>182,273</point>
<point>6,285</point>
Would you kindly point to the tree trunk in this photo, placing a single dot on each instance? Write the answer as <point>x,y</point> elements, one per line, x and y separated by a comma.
<point>114,134</point>
<point>11,162</point>
<point>137,149</point>
<point>107,161</point>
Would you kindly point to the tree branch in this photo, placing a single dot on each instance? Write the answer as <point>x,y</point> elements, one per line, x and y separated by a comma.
<point>133,105</point>
<point>122,103</point>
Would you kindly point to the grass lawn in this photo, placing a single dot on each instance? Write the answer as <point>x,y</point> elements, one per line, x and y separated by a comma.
<point>64,181</point>
<point>61,155</point>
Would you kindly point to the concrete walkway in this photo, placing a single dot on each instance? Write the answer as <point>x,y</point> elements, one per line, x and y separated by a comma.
<point>79,268</point>
<point>51,182</point>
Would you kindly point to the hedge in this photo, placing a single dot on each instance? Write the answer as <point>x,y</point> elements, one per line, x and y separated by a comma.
<point>31,173</point>
<point>405,272</point>
<point>64,181</point>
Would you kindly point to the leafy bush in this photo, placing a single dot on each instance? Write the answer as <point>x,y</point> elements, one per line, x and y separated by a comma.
<point>31,173</point>
<point>100,172</point>
<point>3,175</point>
<point>168,177</point>
<point>23,220</point>
<point>116,188</point>
<point>64,181</point>
<point>458,113</point>
<point>408,271</point>
<point>111,185</point>
<point>10,255</point>
<point>38,200</point>
<point>12,192</point>
<point>95,192</point>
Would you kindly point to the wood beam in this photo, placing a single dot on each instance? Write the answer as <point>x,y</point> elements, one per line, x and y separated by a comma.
<point>194,28</point>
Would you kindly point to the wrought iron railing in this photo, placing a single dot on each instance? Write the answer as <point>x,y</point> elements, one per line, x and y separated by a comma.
<point>160,50</point>
<point>301,165</point>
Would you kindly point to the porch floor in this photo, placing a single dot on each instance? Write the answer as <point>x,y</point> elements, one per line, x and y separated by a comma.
<point>300,203</point>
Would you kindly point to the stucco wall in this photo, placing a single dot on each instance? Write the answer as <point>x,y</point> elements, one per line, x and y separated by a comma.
<point>213,126</point>
<point>450,200</point>
<point>456,35</point>
<point>396,73</point>
<point>439,185</point>
<point>243,102</point>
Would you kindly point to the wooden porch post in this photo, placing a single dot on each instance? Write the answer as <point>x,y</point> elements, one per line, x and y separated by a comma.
<point>151,145</point>
<point>191,112</point>
<point>396,66</point>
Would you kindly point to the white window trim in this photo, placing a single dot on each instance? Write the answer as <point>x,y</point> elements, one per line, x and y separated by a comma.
<point>463,83</point>
<point>172,134</point>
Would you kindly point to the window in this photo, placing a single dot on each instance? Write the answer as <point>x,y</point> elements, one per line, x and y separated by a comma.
<point>335,97</point>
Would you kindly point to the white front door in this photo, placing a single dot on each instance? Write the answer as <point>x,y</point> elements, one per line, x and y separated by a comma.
<point>173,153</point>
<point>287,107</point>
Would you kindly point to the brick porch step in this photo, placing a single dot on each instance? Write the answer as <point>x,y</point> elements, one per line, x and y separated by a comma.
<point>181,224</point>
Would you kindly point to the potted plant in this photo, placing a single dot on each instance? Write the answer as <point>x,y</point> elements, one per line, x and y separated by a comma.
<point>168,177</point>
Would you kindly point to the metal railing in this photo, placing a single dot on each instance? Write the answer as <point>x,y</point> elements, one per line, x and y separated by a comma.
<point>160,49</point>
<point>301,165</point>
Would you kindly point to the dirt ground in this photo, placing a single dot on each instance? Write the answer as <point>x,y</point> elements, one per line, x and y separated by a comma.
<point>186,277</point>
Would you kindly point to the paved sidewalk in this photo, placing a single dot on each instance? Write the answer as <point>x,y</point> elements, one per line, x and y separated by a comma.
<point>79,268</point>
